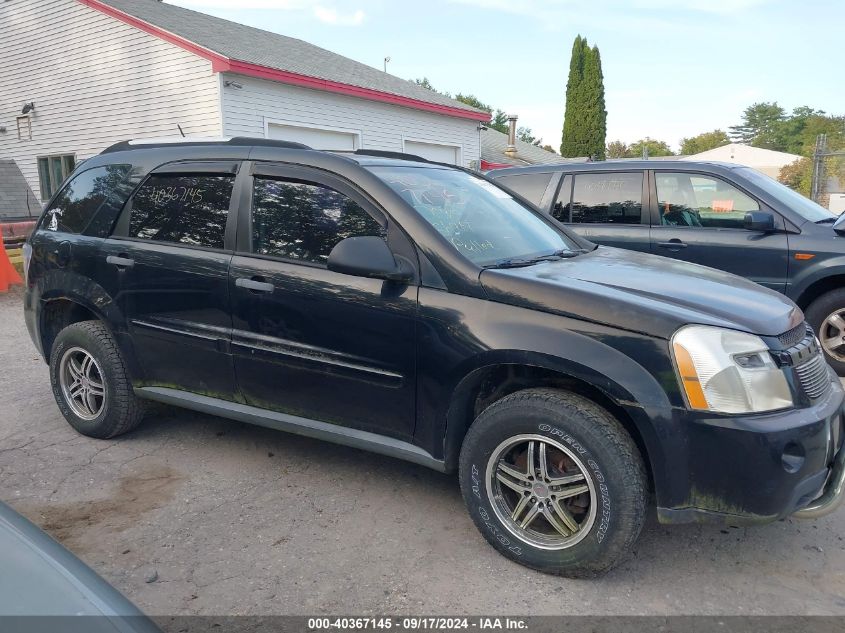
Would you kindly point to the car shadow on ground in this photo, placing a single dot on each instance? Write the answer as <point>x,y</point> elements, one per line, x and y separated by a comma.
<point>720,549</point>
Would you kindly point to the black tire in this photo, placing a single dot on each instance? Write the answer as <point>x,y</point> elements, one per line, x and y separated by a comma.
<point>612,464</point>
<point>818,311</point>
<point>120,411</point>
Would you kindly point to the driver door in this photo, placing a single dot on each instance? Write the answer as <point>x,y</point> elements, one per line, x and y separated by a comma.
<point>308,341</point>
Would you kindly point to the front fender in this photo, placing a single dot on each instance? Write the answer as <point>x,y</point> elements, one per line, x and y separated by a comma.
<point>805,279</point>
<point>461,339</point>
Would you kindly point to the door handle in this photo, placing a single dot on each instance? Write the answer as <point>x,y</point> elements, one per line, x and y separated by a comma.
<point>120,261</point>
<point>672,245</point>
<point>254,284</point>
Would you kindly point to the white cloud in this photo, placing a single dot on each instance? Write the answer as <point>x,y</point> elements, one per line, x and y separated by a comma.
<point>331,16</point>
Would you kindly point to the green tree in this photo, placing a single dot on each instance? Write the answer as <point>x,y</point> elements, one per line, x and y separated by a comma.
<point>473,101</point>
<point>585,120</point>
<point>655,148</point>
<point>499,118</point>
<point>798,175</point>
<point>616,149</point>
<point>703,142</point>
<point>759,125</point>
<point>425,83</point>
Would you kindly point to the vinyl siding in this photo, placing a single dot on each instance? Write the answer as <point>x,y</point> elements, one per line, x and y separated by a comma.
<point>95,81</point>
<point>381,126</point>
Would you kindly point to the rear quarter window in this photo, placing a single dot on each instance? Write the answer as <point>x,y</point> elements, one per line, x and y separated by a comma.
<point>529,186</point>
<point>91,201</point>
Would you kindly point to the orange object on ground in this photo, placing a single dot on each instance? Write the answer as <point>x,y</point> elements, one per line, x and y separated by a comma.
<point>8,274</point>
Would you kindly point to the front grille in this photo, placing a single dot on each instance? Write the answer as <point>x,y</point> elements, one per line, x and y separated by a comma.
<point>794,336</point>
<point>814,376</point>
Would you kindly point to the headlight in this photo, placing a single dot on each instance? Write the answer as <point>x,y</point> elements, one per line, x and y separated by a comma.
<point>728,371</point>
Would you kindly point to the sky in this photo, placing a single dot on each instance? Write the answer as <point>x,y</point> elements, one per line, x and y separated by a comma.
<point>672,68</point>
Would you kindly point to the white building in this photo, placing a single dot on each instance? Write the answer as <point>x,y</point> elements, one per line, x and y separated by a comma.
<point>766,161</point>
<point>79,75</point>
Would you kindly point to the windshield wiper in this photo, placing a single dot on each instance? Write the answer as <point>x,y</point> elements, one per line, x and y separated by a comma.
<point>518,262</point>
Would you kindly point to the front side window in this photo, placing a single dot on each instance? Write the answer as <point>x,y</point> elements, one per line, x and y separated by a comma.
<point>304,221</point>
<point>91,200</point>
<point>52,171</point>
<point>483,222</point>
<point>697,201</point>
<point>187,209</point>
<point>606,199</point>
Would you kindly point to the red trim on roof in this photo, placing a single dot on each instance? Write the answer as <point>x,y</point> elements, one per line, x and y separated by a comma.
<point>487,166</point>
<point>221,63</point>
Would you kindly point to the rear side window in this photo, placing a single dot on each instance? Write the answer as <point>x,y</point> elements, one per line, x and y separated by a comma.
<point>90,202</point>
<point>304,221</point>
<point>183,209</point>
<point>529,186</point>
<point>606,199</point>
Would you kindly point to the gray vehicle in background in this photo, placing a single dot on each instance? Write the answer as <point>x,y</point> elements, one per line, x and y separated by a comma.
<point>45,588</point>
<point>720,215</point>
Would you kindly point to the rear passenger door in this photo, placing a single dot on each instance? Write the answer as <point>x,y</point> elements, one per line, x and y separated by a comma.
<point>606,207</point>
<point>700,218</point>
<point>168,259</point>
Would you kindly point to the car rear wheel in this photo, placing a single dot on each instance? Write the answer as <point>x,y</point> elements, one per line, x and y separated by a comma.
<point>554,482</point>
<point>826,315</point>
<point>90,382</point>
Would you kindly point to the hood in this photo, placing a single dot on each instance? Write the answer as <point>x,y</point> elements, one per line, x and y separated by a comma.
<point>643,293</point>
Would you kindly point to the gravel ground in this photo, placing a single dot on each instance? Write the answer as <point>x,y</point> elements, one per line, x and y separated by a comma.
<point>192,514</point>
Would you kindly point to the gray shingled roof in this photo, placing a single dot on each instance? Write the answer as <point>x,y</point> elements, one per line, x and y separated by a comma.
<point>494,144</point>
<point>248,44</point>
<point>17,201</point>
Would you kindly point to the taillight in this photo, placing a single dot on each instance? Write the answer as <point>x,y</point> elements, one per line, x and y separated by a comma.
<point>27,257</point>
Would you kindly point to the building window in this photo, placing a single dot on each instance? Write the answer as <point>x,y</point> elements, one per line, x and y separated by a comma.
<point>52,171</point>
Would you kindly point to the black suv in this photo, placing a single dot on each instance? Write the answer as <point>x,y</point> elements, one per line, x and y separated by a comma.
<point>716,214</point>
<point>419,310</point>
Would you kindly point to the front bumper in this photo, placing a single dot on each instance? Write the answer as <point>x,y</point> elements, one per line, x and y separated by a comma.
<point>757,469</point>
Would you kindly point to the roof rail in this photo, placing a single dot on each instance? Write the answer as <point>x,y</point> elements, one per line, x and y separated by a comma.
<point>385,154</point>
<point>203,140</point>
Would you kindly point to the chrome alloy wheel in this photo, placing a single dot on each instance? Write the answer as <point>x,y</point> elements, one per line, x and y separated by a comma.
<point>540,491</point>
<point>82,383</point>
<point>832,335</point>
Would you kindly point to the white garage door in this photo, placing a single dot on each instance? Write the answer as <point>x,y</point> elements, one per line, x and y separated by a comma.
<point>431,151</point>
<point>313,137</point>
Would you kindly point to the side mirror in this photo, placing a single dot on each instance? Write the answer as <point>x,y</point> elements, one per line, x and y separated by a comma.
<point>762,221</point>
<point>367,256</point>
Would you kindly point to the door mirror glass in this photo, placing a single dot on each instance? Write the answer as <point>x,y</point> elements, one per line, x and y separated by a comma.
<point>759,221</point>
<point>367,256</point>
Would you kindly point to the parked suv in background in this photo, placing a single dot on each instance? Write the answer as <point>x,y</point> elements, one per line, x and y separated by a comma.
<point>418,310</point>
<point>716,214</point>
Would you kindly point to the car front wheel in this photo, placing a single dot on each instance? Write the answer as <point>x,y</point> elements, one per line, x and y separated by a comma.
<point>554,482</point>
<point>826,315</point>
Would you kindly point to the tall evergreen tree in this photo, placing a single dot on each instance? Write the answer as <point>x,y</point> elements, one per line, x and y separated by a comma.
<point>585,121</point>
<point>571,124</point>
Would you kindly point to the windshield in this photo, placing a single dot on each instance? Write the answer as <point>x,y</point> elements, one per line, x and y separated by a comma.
<point>478,218</point>
<point>804,207</point>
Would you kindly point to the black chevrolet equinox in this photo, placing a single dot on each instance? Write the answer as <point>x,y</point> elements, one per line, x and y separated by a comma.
<point>419,310</point>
